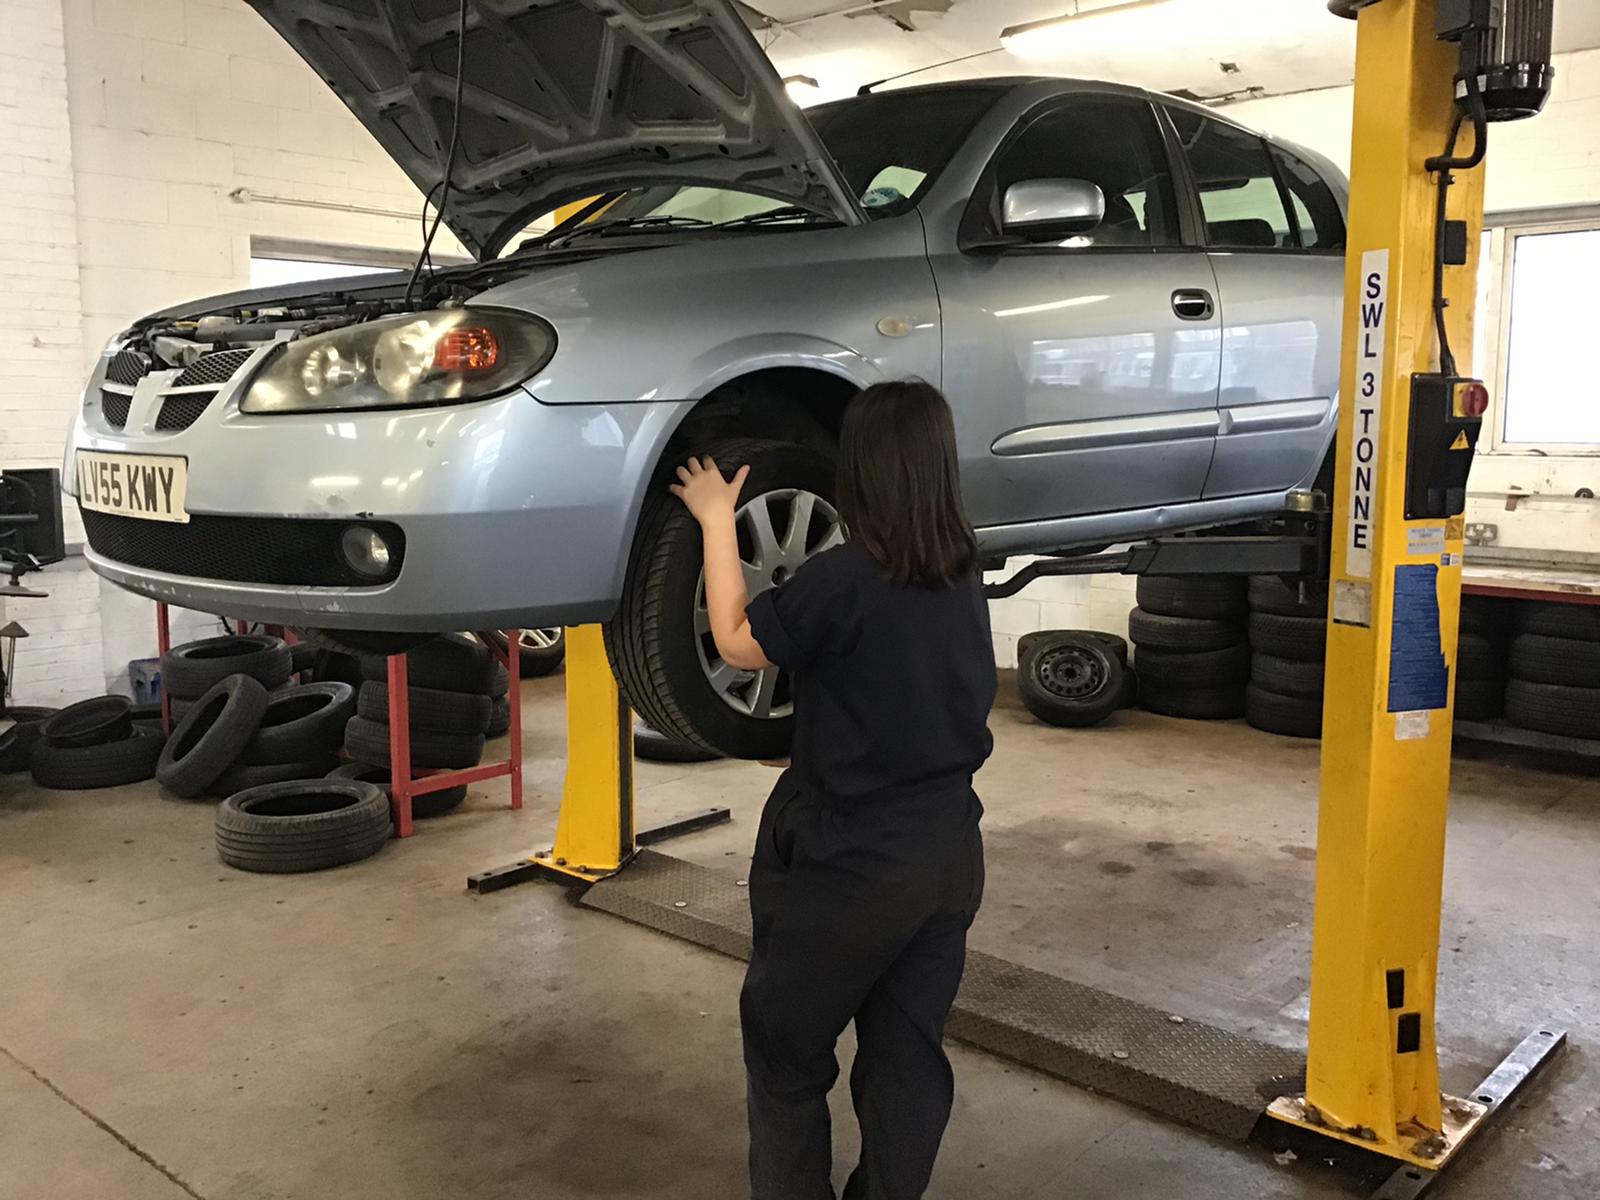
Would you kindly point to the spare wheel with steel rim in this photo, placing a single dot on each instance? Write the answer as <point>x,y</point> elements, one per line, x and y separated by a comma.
<point>660,641</point>
<point>1071,680</point>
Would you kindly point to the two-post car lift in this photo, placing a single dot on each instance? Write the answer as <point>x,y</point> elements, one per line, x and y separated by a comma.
<point>1426,71</point>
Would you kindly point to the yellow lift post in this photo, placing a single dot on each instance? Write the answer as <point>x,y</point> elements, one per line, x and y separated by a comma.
<point>596,833</point>
<point>1430,76</point>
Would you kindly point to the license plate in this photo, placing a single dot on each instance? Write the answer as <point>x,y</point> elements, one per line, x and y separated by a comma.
<point>149,486</point>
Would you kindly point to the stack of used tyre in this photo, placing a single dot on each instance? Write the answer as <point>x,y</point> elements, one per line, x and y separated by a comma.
<point>452,683</point>
<point>239,736</point>
<point>92,744</point>
<point>539,652</point>
<point>1555,670</point>
<point>1191,653</point>
<point>17,741</point>
<point>1074,678</point>
<point>191,670</point>
<point>1289,654</point>
<point>1481,659</point>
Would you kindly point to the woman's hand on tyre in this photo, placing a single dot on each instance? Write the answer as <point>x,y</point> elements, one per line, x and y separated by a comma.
<point>708,496</point>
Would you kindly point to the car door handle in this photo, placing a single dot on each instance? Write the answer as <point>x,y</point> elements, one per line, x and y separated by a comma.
<point>1193,304</point>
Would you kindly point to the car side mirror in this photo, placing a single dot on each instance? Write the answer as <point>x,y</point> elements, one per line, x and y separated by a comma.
<point>1048,210</point>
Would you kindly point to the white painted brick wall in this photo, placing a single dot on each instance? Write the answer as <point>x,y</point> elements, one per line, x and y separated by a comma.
<point>41,339</point>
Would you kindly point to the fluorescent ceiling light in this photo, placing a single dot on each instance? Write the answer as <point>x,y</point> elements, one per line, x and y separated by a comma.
<point>801,88</point>
<point>1053,35</point>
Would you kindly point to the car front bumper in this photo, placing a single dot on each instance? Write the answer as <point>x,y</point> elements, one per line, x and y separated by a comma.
<point>514,513</point>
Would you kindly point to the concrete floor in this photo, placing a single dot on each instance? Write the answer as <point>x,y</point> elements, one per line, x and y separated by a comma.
<point>171,1028</point>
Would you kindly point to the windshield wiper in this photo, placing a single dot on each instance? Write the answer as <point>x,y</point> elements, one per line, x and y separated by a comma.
<point>776,215</point>
<point>641,224</point>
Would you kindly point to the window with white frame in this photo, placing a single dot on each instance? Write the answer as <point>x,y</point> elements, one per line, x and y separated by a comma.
<point>1532,318</point>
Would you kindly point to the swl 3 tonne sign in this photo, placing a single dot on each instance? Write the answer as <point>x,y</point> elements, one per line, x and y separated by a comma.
<point>1370,375</point>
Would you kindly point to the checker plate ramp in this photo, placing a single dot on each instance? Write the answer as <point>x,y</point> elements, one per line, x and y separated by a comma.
<point>1185,1070</point>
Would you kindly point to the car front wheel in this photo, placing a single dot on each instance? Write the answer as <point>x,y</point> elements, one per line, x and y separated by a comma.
<point>660,642</point>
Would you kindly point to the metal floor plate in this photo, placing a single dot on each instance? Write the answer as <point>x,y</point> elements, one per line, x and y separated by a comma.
<point>1185,1070</point>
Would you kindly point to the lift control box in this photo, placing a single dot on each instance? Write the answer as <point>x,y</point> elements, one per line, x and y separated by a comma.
<point>1446,418</point>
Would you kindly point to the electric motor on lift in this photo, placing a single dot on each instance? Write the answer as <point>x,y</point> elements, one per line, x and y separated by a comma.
<point>1506,44</point>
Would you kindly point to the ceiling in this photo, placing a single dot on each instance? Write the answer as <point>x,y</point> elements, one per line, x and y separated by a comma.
<point>1275,46</point>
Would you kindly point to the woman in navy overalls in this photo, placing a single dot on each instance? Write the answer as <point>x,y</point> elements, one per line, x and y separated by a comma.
<point>868,866</point>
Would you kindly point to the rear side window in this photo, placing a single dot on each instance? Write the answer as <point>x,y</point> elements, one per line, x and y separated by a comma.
<point>1239,194</point>
<point>1316,208</point>
<point>1112,143</point>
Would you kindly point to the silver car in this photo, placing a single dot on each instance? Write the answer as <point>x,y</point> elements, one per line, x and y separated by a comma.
<point>1133,304</point>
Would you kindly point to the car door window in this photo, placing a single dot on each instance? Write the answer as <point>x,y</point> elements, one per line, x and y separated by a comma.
<point>1316,208</point>
<point>1240,199</point>
<point>1112,143</point>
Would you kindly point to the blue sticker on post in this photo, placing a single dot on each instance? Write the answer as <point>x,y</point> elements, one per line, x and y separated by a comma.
<point>1419,680</point>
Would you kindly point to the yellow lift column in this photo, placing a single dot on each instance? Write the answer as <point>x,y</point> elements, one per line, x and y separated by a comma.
<point>596,830</point>
<point>1408,423</point>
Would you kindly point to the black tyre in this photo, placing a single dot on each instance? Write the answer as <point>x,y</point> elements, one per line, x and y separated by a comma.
<point>16,743</point>
<point>193,669</point>
<point>368,742</point>
<point>129,759</point>
<point>1192,704</point>
<point>1119,645</point>
<point>212,735</point>
<point>241,776</point>
<point>90,722</point>
<point>1291,716</point>
<point>1289,676</point>
<point>1282,597</point>
<point>499,723</point>
<point>1541,659</point>
<point>303,659</point>
<point>1580,622</point>
<point>1214,597</point>
<point>1304,639</point>
<point>1129,697</point>
<point>1481,657</point>
<point>301,724</point>
<point>658,747</point>
<point>1072,681</point>
<point>453,663</point>
<point>445,712</point>
<point>665,665</point>
<point>431,804</point>
<point>303,825</point>
<point>1486,615</point>
<point>1190,635</point>
<point>1480,699</point>
<point>334,666</point>
<point>1206,669</point>
<point>1551,708</point>
<point>499,679</point>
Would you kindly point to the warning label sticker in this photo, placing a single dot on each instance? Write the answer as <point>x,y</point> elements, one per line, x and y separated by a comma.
<point>1461,442</point>
<point>1370,375</point>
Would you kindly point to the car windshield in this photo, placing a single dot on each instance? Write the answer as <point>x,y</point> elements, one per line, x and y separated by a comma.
<point>889,147</point>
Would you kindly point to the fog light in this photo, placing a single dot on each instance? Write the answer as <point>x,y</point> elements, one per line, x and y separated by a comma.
<point>365,551</point>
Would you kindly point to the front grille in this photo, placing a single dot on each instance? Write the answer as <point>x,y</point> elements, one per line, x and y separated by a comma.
<point>114,407</point>
<point>127,367</point>
<point>180,412</point>
<point>216,367</point>
<point>271,550</point>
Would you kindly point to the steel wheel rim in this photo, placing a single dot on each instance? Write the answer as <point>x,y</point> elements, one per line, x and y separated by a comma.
<point>1072,673</point>
<point>779,531</point>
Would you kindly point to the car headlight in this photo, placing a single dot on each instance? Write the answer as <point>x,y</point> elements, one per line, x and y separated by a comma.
<point>445,357</point>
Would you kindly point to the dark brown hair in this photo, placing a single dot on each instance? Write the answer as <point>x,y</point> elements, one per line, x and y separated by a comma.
<point>900,485</point>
